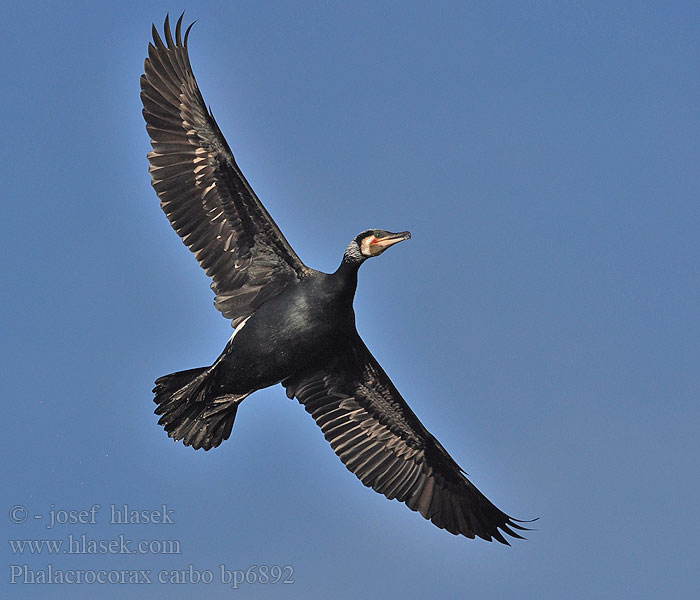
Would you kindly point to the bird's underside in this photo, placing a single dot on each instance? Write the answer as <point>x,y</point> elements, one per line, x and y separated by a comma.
<point>305,317</point>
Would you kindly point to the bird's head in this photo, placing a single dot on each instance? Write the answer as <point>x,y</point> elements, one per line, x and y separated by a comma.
<point>372,243</point>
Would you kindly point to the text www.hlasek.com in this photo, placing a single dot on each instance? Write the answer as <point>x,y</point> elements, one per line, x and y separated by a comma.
<point>255,574</point>
<point>82,544</point>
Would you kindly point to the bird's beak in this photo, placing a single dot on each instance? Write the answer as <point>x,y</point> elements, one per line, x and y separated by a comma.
<point>391,239</point>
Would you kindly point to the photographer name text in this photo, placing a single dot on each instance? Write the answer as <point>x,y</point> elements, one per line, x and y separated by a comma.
<point>114,514</point>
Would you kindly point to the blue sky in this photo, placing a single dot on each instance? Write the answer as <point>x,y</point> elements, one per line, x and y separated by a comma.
<point>542,321</point>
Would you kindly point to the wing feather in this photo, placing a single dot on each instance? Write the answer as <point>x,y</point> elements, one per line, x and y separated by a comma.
<point>202,191</point>
<point>379,439</point>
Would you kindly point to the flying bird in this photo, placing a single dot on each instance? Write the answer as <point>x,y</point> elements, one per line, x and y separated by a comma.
<point>293,325</point>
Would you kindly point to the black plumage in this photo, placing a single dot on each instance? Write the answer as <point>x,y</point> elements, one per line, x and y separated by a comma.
<point>294,325</point>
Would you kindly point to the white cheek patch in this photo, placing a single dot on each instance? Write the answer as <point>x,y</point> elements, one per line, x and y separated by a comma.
<point>365,247</point>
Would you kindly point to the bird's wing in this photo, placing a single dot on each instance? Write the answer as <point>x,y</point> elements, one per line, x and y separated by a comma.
<point>202,191</point>
<point>379,438</point>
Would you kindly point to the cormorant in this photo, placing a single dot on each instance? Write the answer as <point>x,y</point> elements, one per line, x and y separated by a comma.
<point>293,325</point>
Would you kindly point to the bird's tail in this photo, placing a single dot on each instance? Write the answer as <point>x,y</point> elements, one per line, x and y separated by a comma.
<point>190,411</point>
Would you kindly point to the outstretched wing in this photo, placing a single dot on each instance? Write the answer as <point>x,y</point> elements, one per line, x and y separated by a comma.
<point>202,191</point>
<point>379,438</point>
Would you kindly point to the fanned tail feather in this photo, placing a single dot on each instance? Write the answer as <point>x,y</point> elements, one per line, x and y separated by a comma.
<point>191,412</point>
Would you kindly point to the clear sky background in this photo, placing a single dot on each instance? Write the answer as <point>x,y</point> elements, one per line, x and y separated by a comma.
<point>542,322</point>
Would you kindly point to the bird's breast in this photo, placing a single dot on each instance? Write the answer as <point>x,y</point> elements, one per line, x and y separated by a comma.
<point>290,333</point>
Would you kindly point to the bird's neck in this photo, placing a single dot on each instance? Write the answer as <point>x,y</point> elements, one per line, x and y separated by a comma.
<point>346,274</point>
